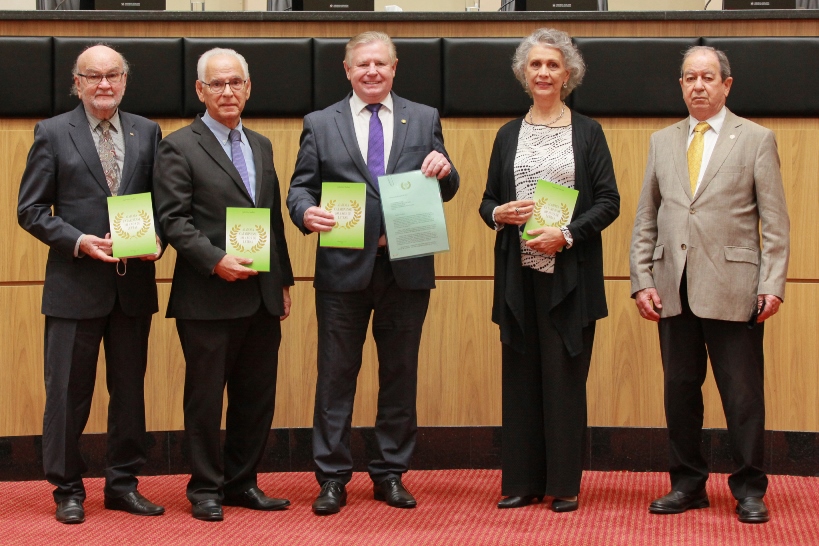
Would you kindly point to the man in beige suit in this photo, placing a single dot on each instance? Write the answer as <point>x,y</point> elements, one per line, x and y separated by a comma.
<point>699,270</point>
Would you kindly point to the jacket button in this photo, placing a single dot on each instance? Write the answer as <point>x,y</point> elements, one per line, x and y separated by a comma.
<point>691,211</point>
<point>682,246</point>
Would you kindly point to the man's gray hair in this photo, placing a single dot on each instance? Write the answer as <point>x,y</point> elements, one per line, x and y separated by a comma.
<point>557,39</point>
<point>202,64</point>
<point>126,68</point>
<point>366,38</point>
<point>724,65</point>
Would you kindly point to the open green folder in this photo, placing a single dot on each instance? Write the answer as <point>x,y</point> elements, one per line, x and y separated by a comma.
<point>247,234</point>
<point>131,218</point>
<point>413,215</point>
<point>347,201</point>
<point>554,205</point>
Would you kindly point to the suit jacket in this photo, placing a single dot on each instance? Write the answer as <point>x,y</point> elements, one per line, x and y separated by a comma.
<point>63,171</point>
<point>714,236</point>
<point>194,182</point>
<point>578,295</point>
<point>329,152</point>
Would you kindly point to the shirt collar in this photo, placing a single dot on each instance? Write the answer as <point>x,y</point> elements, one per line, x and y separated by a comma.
<point>715,122</point>
<point>220,131</point>
<point>94,121</point>
<point>357,105</point>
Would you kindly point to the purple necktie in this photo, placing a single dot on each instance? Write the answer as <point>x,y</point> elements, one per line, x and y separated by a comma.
<point>375,144</point>
<point>238,158</point>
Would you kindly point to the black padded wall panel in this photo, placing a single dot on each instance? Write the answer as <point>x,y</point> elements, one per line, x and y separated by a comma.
<point>772,76</point>
<point>154,87</point>
<point>330,83</point>
<point>478,78</point>
<point>28,60</point>
<point>632,76</point>
<point>280,73</point>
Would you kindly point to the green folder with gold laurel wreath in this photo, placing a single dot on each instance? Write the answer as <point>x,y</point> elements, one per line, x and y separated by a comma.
<point>131,218</point>
<point>347,201</point>
<point>247,235</point>
<point>554,205</point>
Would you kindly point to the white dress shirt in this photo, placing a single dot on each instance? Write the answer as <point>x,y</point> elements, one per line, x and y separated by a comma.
<point>361,123</point>
<point>709,138</point>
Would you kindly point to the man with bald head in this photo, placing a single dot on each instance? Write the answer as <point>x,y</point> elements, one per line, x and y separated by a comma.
<point>77,161</point>
<point>227,314</point>
<point>709,259</point>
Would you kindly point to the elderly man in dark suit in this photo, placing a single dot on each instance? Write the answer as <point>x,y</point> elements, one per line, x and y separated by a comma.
<point>227,315</point>
<point>709,260</point>
<point>370,132</point>
<point>78,159</point>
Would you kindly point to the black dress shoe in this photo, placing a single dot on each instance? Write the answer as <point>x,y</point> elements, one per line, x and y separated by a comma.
<point>207,510</point>
<point>134,503</point>
<point>564,505</point>
<point>518,502</point>
<point>70,511</point>
<point>255,499</point>
<point>332,497</point>
<point>393,492</point>
<point>678,502</point>
<point>752,510</point>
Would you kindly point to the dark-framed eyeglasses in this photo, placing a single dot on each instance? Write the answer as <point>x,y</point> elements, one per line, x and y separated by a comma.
<point>218,87</point>
<point>95,79</point>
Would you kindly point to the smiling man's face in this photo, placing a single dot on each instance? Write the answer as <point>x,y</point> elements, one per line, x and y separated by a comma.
<point>371,71</point>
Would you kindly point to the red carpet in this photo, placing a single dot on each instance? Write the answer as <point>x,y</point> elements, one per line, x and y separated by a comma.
<point>454,507</point>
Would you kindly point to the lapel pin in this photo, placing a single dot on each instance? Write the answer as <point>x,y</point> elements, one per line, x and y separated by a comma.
<point>732,137</point>
<point>404,121</point>
<point>132,134</point>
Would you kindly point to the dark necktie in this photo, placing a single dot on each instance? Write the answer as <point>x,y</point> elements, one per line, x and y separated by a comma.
<point>375,144</point>
<point>238,158</point>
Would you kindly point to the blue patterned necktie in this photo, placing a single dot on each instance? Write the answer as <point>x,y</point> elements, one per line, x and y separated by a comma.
<point>238,158</point>
<point>375,144</point>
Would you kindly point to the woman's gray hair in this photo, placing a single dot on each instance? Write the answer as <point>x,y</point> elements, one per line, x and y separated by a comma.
<point>557,39</point>
<point>202,64</point>
<point>724,65</point>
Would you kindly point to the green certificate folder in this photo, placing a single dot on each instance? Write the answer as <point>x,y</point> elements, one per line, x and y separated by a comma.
<point>413,215</point>
<point>554,205</point>
<point>247,234</point>
<point>347,201</point>
<point>131,218</point>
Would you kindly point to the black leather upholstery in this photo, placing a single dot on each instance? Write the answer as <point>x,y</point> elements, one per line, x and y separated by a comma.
<point>772,76</point>
<point>29,61</point>
<point>478,78</point>
<point>632,76</point>
<point>329,80</point>
<point>154,86</point>
<point>280,72</point>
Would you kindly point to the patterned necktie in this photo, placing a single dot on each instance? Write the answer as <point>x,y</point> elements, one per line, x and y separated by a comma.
<point>238,158</point>
<point>108,157</point>
<point>375,144</point>
<point>695,154</point>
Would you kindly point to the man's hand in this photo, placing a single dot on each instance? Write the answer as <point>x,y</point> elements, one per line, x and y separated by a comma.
<point>157,255</point>
<point>770,308</point>
<point>318,219</point>
<point>98,249</point>
<point>287,302</point>
<point>232,268</point>
<point>548,241</point>
<point>436,164</point>
<point>514,212</point>
<point>647,301</point>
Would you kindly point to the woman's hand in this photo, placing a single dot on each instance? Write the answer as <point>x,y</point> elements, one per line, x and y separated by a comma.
<point>548,241</point>
<point>514,212</point>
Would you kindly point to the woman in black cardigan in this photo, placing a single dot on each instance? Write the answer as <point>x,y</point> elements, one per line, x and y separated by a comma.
<point>548,291</point>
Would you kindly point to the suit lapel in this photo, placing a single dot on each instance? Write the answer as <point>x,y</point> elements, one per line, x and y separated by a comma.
<point>731,129</point>
<point>131,138</point>
<point>344,122</point>
<point>399,130</point>
<point>81,136</point>
<point>208,141</point>
<point>680,148</point>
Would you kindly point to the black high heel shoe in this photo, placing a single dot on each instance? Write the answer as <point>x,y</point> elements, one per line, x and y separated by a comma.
<point>563,505</point>
<point>518,502</point>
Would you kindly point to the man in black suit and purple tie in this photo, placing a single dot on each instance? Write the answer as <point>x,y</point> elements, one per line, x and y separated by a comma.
<point>369,133</point>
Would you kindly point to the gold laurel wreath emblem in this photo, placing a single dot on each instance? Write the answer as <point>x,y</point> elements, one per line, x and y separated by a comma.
<point>564,217</point>
<point>356,215</point>
<point>146,223</point>
<point>329,208</point>
<point>538,208</point>
<point>234,241</point>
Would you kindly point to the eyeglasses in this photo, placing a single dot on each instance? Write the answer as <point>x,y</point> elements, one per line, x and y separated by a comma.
<point>218,87</point>
<point>94,79</point>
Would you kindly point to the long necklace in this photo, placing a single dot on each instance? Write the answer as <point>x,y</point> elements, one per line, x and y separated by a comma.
<point>560,115</point>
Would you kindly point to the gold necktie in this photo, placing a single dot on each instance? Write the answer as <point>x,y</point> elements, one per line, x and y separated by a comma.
<point>695,154</point>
